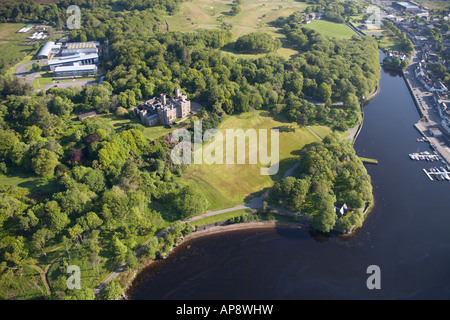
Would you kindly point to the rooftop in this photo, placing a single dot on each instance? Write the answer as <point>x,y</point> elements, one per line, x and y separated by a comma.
<point>74,58</point>
<point>408,5</point>
<point>76,68</point>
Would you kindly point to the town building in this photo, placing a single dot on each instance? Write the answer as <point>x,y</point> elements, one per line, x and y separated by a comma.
<point>406,6</point>
<point>164,110</point>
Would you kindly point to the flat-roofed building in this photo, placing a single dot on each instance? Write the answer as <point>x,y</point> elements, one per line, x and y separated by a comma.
<point>80,59</point>
<point>76,70</point>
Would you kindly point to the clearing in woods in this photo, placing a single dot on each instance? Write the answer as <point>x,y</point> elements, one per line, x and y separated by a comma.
<point>255,16</point>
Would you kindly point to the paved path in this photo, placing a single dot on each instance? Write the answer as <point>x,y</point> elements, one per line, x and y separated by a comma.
<point>314,133</point>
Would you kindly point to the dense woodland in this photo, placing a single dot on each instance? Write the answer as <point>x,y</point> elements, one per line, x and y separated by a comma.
<point>101,190</point>
<point>329,173</point>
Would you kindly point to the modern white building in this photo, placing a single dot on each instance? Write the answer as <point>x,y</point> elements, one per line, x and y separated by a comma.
<point>76,70</point>
<point>78,59</point>
<point>48,49</point>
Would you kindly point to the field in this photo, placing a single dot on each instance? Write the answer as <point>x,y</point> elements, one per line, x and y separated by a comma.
<point>226,185</point>
<point>440,5</point>
<point>10,48</point>
<point>331,29</point>
<point>255,15</point>
<point>43,79</point>
<point>150,133</point>
<point>31,182</point>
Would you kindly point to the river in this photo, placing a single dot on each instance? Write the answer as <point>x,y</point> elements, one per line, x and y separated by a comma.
<point>406,234</point>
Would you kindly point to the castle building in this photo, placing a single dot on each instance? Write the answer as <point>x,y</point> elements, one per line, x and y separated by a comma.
<point>164,110</point>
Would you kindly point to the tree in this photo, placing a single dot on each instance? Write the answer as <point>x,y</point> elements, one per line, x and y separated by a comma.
<point>40,238</point>
<point>151,248</point>
<point>32,133</point>
<point>112,291</point>
<point>235,10</point>
<point>45,162</point>
<point>325,217</point>
<point>93,220</point>
<point>324,92</point>
<point>119,250</point>
<point>190,202</point>
<point>9,140</point>
<point>257,42</point>
<point>130,177</point>
<point>76,156</point>
<point>75,232</point>
<point>58,220</point>
<point>95,180</point>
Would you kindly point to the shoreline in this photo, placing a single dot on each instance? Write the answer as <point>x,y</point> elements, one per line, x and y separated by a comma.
<point>216,229</point>
<point>213,230</point>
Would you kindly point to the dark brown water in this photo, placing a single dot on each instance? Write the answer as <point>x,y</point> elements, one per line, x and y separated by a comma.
<point>407,234</point>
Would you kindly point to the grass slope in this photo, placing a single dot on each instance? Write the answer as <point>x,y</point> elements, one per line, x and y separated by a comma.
<point>331,29</point>
<point>227,185</point>
<point>255,15</point>
<point>11,49</point>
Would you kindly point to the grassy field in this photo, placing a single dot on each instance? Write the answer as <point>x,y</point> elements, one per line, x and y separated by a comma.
<point>255,15</point>
<point>10,48</point>
<point>226,185</point>
<point>331,29</point>
<point>43,79</point>
<point>31,182</point>
<point>441,5</point>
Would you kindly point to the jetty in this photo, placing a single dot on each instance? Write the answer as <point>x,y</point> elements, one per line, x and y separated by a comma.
<point>369,160</point>
<point>440,174</point>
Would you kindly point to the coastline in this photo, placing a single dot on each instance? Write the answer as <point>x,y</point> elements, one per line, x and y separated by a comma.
<point>217,229</point>
<point>212,230</point>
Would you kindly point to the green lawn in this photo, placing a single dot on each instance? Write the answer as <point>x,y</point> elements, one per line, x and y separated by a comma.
<point>256,15</point>
<point>150,133</point>
<point>10,44</point>
<point>441,5</point>
<point>388,42</point>
<point>331,29</point>
<point>226,185</point>
<point>43,79</point>
<point>28,181</point>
